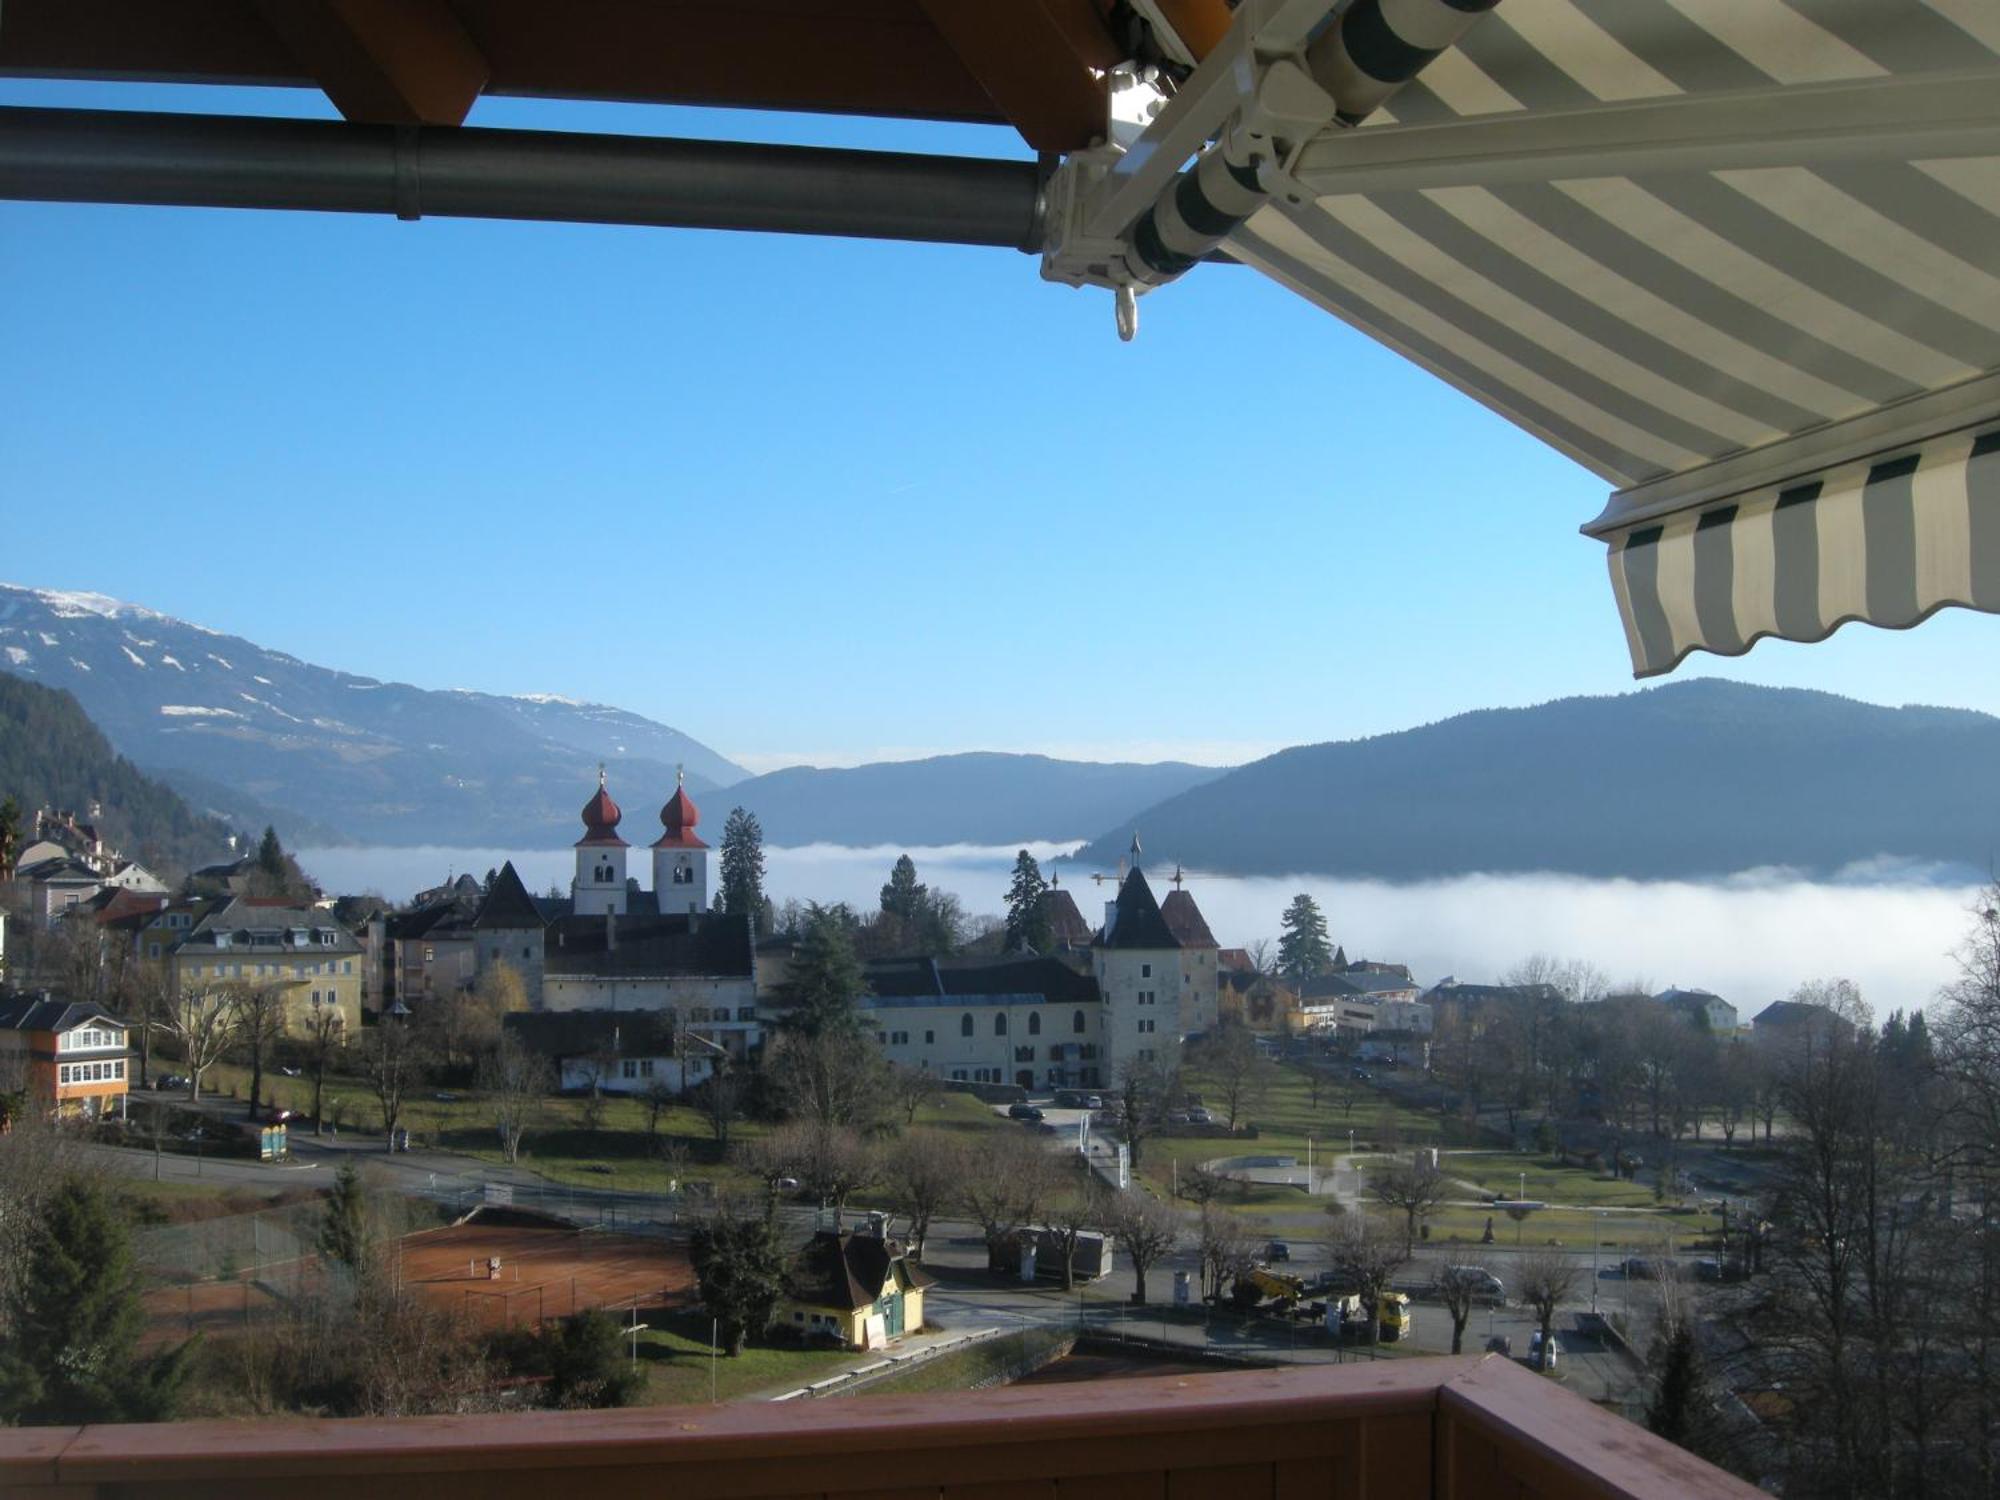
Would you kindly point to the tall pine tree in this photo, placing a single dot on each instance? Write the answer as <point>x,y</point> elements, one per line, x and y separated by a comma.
<point>743,865</point>
<point>904,897</point>
<point>826,978</point>
<point>1027,906</point>
<point>1303,951</point>
<point>73,1321</point>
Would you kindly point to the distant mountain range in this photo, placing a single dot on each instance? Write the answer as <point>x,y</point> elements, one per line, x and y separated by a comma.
<point>1697,778</point>
<point>978,798</point>
<point>255,735</point>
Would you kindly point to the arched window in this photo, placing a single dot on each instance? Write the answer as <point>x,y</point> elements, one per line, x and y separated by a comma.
<point>1000,1024</point>
<point>965,1024</point>
<point>1076,1023</point>
<point>1034,1023</point>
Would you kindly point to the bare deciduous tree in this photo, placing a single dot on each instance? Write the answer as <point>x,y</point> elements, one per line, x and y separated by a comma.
<point>260,1021</point>
<point>1365,1256</point>
<point>1546,1279</point>
<point>1412,1190</point>
<point>202,1023</point>
<point>922,1172</point>
<point>1460,1289</point>
<point>1225,1247</point>
<point>1073,1210</point>
<point>516,1084</point>
<point>1003,1189</point>
<point>326,1030</point>
<point>391,1058</point>
<point>1147,1231</point>
<point>1228,1059</point>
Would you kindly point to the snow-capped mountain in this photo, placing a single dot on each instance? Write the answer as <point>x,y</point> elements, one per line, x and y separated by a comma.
<point>246,731</point>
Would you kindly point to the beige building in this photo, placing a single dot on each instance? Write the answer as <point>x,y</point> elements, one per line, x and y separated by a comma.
<point>1034,1022</point>
<point>244,942</point>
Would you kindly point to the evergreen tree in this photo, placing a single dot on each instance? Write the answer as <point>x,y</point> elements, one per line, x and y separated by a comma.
<point>742,865</point>
<point>74,1319</point>
<point>1303,951</point>
<point>271,854</point>
<point>739,1266</point>
<point>905,897</point>
<point>1027,906</point>
<point>10,835</point>
<point>826,978</point>
<point>343,1233</point>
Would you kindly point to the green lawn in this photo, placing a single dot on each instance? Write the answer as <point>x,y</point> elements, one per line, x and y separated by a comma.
<point>962,1369</point>
<point>621,1153</point>
<point>1284,1117</point>
<point>1546,1181</point>
<point>678,1365</point>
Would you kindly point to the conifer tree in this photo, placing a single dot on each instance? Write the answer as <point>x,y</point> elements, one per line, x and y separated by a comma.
<point>1303,952</point>
<point>826,978</point>
<point>1027,908</point>
<point>742,865</point>
<point>343,1234</point>
<point>904,897</point>
<point>73,1321</point>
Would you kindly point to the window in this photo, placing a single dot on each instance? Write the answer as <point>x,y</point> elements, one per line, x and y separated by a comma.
<point>524,950</point>
<point>1076,1023</point>
<point>152,950</point>
<point>1034,1024</point>
<point>645,1067</point>
<point>965,1024</point>
<point>1146,1025</point>
<point>1000,1024</point>
<point>958,1075</point>
<point>1145,971</point>
<point>881,1038</point>
<point>746,1012</point>
<point>347,966</point>
<point>629,1068</point>
<point>930,1038</point>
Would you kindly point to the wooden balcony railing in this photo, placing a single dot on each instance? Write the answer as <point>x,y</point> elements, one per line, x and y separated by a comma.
<point>1465,1429</point>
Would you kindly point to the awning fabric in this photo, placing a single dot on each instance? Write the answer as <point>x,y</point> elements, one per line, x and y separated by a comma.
<point>1687,315</point>
<point>1890,541</point>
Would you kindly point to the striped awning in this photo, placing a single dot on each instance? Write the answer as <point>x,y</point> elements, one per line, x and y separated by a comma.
<point>1740,258</point>
<point>1890,541</point>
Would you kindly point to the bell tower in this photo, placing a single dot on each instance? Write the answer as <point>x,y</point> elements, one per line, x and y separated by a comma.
<point>680,858</point>
<point>599,886</point>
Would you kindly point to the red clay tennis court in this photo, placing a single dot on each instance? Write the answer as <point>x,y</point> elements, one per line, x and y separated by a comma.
<point>544,1271</point>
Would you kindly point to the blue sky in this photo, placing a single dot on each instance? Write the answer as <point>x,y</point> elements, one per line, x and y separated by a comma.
<point>807,499</point>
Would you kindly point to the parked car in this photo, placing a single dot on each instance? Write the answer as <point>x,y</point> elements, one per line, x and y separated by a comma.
<point>170,1081</point>
<point>1540,1358</point>
<point>445,1098</point>
<point>1200,1117</point>
<point>1362,1073</point>
<point>1023,1112</point>
<point>1277,1250</point>
<point>1638,1268</point>
<point>1093,1101</point>
<point>1486,1286</point>
<point>1179,1117</point>
<point>1500,1343</point>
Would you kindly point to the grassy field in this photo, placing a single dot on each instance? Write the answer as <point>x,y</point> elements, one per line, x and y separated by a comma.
<point>621,1153</point>
<point>962,1369</point>
<point>1508,1173</point>
<point>677,1361</point>
<point>1284,1117</point>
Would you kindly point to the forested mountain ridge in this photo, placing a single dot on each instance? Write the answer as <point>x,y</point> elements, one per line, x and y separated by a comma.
<point>262,735</point>
<point>52,755</point>
<point>1697,778</point>
<point>980,797</point>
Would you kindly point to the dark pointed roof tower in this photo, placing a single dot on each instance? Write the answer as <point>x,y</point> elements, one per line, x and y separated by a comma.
<point>508,905</point>
<point>1138,923</point>
<point>679,818</point>
<point>600,817</point>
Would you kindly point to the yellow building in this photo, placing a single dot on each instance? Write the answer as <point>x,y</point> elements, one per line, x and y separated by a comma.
<point>244,942</point>
<point>860,1289</point>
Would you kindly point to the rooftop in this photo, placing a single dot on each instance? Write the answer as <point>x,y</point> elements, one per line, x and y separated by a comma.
<point>709,945</point>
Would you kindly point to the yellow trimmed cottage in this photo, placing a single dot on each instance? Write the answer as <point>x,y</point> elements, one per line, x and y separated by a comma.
<point>859,1289</point>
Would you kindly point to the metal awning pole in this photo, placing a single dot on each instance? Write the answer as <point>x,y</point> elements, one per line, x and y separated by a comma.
<point>224,161</point>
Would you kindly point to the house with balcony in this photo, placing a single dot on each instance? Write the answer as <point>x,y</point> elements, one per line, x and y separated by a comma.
<point>69,1057</point>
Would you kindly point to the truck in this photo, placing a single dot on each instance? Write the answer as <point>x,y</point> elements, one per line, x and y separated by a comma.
<point>1093,1255</point>
<point>1394,1320</point>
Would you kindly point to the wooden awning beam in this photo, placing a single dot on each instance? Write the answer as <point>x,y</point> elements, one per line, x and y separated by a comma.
<point>384,62</point>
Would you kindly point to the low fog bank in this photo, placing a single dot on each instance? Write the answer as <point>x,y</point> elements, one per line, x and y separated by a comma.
<point>1889,927</point>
